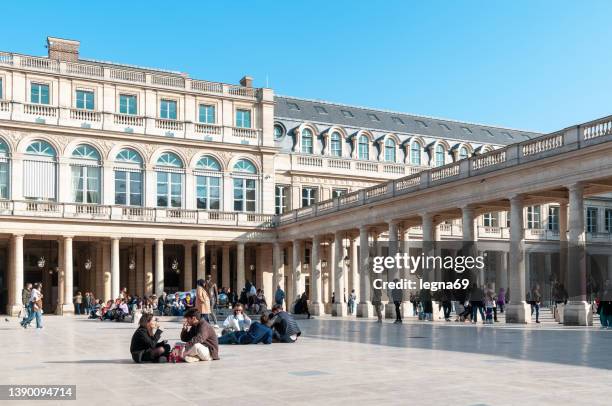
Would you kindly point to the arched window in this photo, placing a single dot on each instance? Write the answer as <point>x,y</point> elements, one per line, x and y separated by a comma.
<point>208,183</point>
<point>463,153</point>
<point>40,171</point>
<point>85,174</point>
<point>415,153</point>
<point>128,178</point>
<point>307,141</point>
<point>335,144</point>
<point>439,158</point>
<point>245,186</point>
<point>363,151</point>
<point>169,168</point>
<point>279,131</point>
<point>4,170</point>
<point>389,150</point>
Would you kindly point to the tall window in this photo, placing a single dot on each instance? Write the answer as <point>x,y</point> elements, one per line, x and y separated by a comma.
<point>208,183</point>
<point>335,144</point>
<point>363,151</point>
<point>85,171</point>
<point>128,178</point>
<point>243,118</point>
<point>84,100</point>
<point>533,217</point>
<point>167,109</point>
<point>207,114</point>
<point>591,220</point>
<point>553,218</point>
<point>169,180</point>
<point>389,150</point>
<point>40,171</point>
<point>439,158</point>
<point>608,218</point>
<point>4,170</point>
<point>463,153</point>
<point>128,104</point>
<point>245,186</point>
<point>307,144</point>
<point>309,196</point>
<point>281,198</point>
<point>415,153</point>
<point>1,89</point>
<point>491,219</point>
<point>39,93</point>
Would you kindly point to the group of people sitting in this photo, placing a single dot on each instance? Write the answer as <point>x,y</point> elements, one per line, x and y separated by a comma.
<point>200,339</point>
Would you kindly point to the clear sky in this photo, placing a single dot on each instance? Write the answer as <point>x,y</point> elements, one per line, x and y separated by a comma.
<point>535,65</point>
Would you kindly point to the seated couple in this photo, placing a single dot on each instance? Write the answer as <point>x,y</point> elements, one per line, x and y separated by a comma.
<point>278,326</point>
<point>115,311</point>
<point>201,339</point>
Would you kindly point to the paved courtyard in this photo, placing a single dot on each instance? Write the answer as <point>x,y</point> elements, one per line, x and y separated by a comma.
<point>336,362</point>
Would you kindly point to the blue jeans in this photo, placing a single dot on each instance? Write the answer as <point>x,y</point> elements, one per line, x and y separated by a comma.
<point>536,307</point>
<point>77,308</point>
<point>33,315</point>
<point>475,309</point>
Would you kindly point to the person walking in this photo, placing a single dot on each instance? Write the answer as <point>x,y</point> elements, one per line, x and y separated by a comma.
<point>35,307</point>
<point>352,299</point>
<point>501,299</point>
<point>397,296</point>
<point>78,301</point>
<point>536,298</point>
<point>279,296</point>
<point>25,299</point>
<point>477,302</point>
<point>377,303</point>
<point>202,300</point>
<point>213,295</point>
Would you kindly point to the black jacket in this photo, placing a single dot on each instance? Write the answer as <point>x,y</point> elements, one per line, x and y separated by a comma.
<point>142,343</point>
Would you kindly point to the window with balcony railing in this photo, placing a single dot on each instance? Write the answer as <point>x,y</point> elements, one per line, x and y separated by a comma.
<point>281,198</point>
<point>243,118</point>
<point>533,217</point>
<point>553,218</point>
<point>128,104</point>
<point>4,170</point>
<point>208,183</point>
<point>84,100</point>
<point>206,114</point>
<point>39,93</point>
<point>309,196</point>
<point>335,144</point>
<point>167,109</point>
<point>307,141</point>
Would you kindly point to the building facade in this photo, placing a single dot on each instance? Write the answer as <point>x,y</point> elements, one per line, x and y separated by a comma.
<point>117,176</point>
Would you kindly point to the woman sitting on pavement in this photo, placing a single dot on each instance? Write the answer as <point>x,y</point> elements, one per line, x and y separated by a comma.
<point>237,321</point>
<point>145,345</point>
<point>259,332</point>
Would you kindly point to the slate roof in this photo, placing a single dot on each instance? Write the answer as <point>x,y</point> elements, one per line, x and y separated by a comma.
<point>387,121</point>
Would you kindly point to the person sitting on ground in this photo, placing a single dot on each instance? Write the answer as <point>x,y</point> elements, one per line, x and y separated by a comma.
<point>259,332</point>
<point>301,306</point>
<point>243,297</point>
<point>145,345</point>
<point>107,311</point>
<point>202,343</point>
<point>188,302</point>
<point>121,310</point>
<point>285,328</point>
<point>237,321</point>
<point>96,310</point>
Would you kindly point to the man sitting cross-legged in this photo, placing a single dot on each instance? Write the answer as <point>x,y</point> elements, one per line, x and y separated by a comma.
<point>258,332</point>
<point>201,339</point>
<point>286,330</point>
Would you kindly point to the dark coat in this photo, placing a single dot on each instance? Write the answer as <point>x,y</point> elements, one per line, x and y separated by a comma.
<point>142,343</point>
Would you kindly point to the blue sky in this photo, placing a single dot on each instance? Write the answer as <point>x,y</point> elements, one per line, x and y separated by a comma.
<point>539,65</point>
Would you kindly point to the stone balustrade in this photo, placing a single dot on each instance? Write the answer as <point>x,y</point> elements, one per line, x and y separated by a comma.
<point>135,214</point>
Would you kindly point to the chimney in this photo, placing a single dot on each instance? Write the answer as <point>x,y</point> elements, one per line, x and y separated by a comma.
<point>246,81</point>
<point>63,49</point>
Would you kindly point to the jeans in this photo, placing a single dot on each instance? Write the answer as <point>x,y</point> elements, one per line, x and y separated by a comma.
<point>351,307</point>
<point>475,309</point>
<point>536,307</point>
<point>606,320</point>
<point>398,313</point>
<point>33,315</point>
<point>77,308</point>
<point>447,309</point>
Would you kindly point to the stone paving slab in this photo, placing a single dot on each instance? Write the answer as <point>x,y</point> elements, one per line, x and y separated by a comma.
<point>335,362</point>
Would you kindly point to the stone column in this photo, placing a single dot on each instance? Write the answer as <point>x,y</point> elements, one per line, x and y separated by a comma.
<point>354,257</point>
<point>577,311</point>
<point>297,270</point>
<point>68,306</point>
<point>140,270</point>
<point>188,274</point>
<point>316,306</point>
<point>159,267</point>
<point>225,272</point>
<point>106,269</point>
<point>277,269</point>
<point>517,311</point>
<point>60,277</point>
<point>148,269</point>
<point>240,275</point>
<point>339,308</point>
<point>563,244</point>
<point>99,292</point>
<point>428,243</point>
<point>201,271</point>
<point>502,271</point>
<point>364,308</point>
<point>392,273</point>
<point>115,288</point>
<point>16,276</point>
